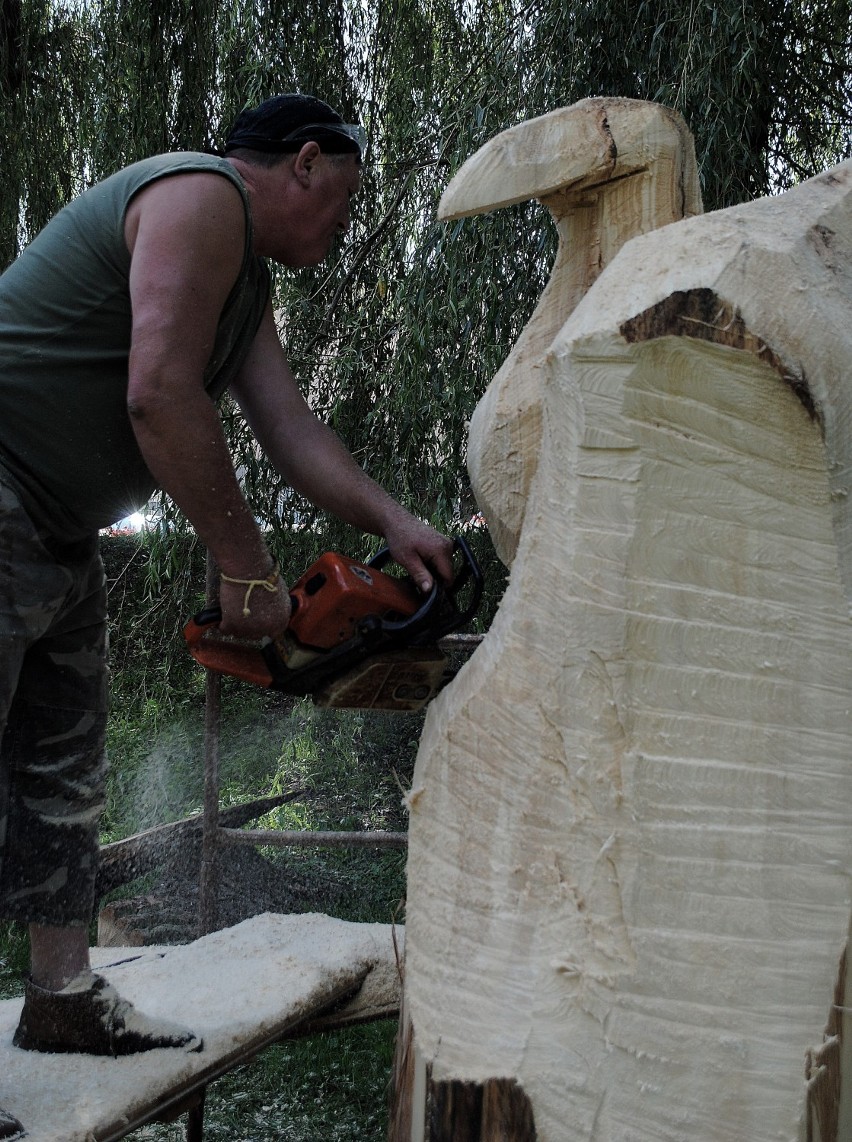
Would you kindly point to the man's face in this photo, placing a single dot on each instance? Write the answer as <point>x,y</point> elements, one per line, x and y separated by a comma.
<point>322,208</point>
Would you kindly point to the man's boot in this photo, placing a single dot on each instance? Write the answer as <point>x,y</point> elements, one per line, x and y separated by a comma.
<point>89,1017</point>
<point>10,1128</point>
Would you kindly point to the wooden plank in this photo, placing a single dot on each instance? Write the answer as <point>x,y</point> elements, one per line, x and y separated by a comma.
<point>124,860</point>
<point>241,989</point>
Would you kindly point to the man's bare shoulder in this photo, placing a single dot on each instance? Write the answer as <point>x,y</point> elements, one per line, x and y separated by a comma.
<point>184,202</point>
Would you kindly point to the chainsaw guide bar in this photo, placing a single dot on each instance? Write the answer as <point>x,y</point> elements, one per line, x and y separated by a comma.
<point>358,638</point>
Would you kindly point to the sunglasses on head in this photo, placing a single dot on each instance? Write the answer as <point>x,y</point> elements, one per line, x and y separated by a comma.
<point>352,131</point>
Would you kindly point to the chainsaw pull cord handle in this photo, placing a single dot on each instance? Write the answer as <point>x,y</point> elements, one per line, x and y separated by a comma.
<point>270,583</point>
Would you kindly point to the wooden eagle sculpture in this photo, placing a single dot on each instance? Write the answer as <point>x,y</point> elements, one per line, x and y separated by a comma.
<point>630,860</point>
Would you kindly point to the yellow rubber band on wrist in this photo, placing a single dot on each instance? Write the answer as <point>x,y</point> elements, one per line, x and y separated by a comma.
<point>270,583</point>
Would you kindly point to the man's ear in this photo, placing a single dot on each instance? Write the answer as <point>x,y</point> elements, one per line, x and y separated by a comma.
<point>304,163</point>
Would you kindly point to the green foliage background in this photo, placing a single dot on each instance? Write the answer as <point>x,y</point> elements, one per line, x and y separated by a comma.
<point>395,338</point>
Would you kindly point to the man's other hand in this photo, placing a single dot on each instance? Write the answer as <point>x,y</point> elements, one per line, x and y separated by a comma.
<point>421,550</point>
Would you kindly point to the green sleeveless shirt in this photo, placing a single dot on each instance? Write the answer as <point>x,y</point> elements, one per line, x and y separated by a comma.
<point>65,321</point>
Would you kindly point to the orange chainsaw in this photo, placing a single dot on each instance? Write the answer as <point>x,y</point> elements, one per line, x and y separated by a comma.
<point>358,637</point>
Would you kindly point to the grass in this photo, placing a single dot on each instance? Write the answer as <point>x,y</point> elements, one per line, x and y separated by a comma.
<point>14,959</point>
<point>331,1087</point>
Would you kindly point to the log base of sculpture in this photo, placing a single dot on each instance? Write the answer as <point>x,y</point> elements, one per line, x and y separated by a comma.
<point>431,1111</point>
<point>470,1112</point>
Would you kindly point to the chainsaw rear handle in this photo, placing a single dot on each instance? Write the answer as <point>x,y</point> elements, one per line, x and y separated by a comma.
<point>238,659</point>
<point>196,628</point>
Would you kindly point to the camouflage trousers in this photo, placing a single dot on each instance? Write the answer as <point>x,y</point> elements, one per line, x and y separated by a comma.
<point>53,683</point>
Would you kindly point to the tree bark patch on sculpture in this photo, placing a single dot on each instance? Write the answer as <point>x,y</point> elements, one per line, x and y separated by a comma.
<point>699,313</point>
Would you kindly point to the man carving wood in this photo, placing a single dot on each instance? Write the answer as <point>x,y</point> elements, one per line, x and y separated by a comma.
<point>120,325</point>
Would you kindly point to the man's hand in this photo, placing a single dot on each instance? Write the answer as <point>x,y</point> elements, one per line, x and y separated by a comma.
<point>421,550</point>
<point>268,608</point>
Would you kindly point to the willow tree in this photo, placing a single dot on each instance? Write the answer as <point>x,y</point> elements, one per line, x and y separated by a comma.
<point>395,338</point>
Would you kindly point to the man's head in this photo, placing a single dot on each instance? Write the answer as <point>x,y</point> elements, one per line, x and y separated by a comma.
<point>281,126</point>
<point>301,165</point>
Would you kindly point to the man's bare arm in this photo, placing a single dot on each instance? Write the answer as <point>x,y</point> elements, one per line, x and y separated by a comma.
<point>186,237</point>
<point>314,461</point>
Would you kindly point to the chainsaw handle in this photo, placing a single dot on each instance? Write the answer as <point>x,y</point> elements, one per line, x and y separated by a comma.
<point>469,570</point>
<point>196,628</point>
<point>210,616</point>
<point>237,659</point>
<point>412,622</point>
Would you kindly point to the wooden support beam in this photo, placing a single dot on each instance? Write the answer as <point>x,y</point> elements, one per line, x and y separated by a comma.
<point>122,861</point>
<point>313,838</point>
